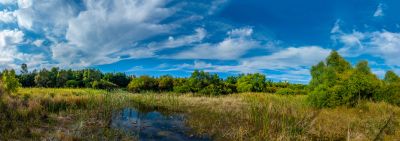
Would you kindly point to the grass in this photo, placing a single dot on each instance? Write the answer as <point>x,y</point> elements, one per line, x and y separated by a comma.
<point>85,114</point>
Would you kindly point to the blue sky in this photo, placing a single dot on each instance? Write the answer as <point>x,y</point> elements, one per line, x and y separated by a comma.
<point>279,38</point>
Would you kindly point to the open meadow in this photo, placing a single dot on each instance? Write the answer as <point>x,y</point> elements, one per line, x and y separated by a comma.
<point>87,114</point>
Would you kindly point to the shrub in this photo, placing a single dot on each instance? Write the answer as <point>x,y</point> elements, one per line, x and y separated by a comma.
<point>143,83</point>
<point>286,91</point>
<point>251,83</point>
<point>166,83</point>
<point>103,84</point>
<point>336,83</point>
<point>10,82</point>
<point>72,84</point>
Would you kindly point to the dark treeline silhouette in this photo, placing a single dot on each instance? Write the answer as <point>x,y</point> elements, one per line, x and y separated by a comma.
<point>199,82</point>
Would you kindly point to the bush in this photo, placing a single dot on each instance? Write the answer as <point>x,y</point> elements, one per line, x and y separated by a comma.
<point>251,83</point>
<point>270,89</point>
<point>103,84</point>
<point>143,83</point>
<point>337,83</point>
<point>72,84</point>
<point>10,82</point>
<point>286,91</point>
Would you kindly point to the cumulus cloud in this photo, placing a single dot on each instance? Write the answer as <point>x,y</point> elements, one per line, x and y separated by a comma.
<point>7,16</point>
<point>236,45</point>
<point>383,44</point>
<point>107,29</point>
<point>9,53</point>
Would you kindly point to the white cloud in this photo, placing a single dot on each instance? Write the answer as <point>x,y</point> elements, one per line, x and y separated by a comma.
<point>106,30</point>
<point>38,43</point>
<point>336,27</point>
<point>232,47</point>
<point>173,42</point>
<point>7,2</point>
<point>48,17</point>
<point>9,53</point>
<point>292,59</point>
<point>379,11</point>
<point>383,44</point>
<point>7,16</point>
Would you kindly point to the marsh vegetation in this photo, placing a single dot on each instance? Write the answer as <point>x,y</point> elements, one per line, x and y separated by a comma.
<point>340,103</point>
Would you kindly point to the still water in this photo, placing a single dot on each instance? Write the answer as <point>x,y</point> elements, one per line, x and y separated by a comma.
<point>154,126</point>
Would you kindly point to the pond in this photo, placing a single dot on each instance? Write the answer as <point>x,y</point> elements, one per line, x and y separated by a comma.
<point>154,126</point>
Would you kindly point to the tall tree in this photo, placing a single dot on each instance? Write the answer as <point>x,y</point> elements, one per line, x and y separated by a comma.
<point>391,77</point>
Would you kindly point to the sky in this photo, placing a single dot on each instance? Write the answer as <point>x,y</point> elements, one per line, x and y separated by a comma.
<point>281,39</point>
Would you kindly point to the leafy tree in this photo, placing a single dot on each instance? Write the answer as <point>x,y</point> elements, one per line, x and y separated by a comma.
<point>121,79</point>
<point>337,62</point>
<point>251,83</point>
<point>72,84</point>
<point>181,85</point>
<point>25,78</point>
<point>91,75</point>
<point>165,83</point>
<point>10,83</point>
<point>42,78</point>
<point>391,77</point>
<point>337,83</point>
<point>62,77</point>
<point>24,68</point>
<point>103,84</point>
<point>143,83</point>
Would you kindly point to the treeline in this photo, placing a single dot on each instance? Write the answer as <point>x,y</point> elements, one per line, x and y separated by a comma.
<point>336,82</point>
<point>199,82</point>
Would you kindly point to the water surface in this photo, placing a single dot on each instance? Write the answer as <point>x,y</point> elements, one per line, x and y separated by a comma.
<point>154,126</point>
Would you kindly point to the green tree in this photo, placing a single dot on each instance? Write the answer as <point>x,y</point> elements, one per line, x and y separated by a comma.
<point>251,83</point>
<point>165,83</point>
<point>142,84</point>
<point>91,75</point>
<point>120,79</point>
<point>42,79</point>
<point>10,83</point>
<point>337,62</point>
<point>24,68</point>
<point>103,84</point>
<point>391,77</point>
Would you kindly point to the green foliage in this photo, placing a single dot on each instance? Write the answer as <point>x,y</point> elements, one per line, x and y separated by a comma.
<point>10,83</point>
<point>91,75</point>
<point>251,83</point>
<point>72,84</point>
<point>165,83</point>
<point>337,83</point>
<point>286,91</point>
<point>391,77</point>
<point>42,79</point>
<point>104,84</point>
<point>142,84</point>
<point>181,85</point>
<point>120,79</point>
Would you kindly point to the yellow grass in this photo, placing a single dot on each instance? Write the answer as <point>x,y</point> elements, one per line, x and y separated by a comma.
<point>83,114</point>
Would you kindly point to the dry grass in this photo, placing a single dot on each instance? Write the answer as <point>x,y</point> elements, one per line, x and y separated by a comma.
<point>84,114</point>
<point>257,116</point>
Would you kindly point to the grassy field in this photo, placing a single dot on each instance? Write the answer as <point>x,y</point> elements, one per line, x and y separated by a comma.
<point>85,114</point>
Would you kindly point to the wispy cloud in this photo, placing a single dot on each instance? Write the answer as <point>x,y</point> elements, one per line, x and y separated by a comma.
<point>379,11</point>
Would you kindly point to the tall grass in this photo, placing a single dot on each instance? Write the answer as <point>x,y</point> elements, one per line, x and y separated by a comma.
<point>85,114</point>
<point>65,114</point>
<point>259,116</point>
